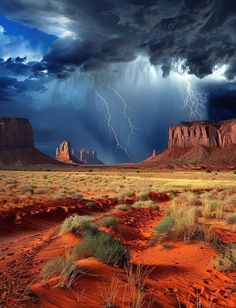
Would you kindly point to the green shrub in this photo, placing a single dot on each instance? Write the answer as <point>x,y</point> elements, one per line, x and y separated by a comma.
<point>143,197</point>
<point>181,223</point>
<point>103,247</point>
<point>165,225</point>
<point>78,196</point>
<point>59,196</point>
<point>108,221</point>
<point>231,218</point>
<point>78,224</point>
<point>65,269</point>
<point>91,205</point>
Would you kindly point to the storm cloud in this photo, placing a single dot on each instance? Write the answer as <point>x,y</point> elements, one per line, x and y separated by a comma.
<point>93,34</point>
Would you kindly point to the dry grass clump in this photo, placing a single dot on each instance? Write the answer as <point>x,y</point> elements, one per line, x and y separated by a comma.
<point>189,198</point>
<point>78,225</point>
<point>64,269</point>
<point>42,191</point>
<point>145,204</point>
<point>231,218</point>
<point>109,221</point>
<point>181,223</point>
<point>27,189</point>
<point>122,207</point>
<point>103,247</point>
<point>227,259</point>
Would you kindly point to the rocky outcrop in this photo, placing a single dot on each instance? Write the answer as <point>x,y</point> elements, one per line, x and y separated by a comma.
<point>211,135</point>
<point>64,154</point>
<point>87,156</point>
<point>17,144</point>
<point>209,143</point>
<point>16,132</point>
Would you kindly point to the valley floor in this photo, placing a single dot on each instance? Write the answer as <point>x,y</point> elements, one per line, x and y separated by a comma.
<point>164,270</point>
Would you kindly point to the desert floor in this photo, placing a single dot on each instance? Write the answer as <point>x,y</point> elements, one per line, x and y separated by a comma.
<point>179,229</point>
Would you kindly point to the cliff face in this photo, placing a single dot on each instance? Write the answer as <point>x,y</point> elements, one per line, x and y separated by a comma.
<point>16,132</point>
<point>17,144</point>
<point>211,135</point>
<point>64,153</point>
<point>209,143</point>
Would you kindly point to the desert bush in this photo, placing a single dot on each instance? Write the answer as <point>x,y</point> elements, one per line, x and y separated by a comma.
<point>143,196</point>
<point>78,224</point>
<point>121,207</point>
<point>227,259</point>
<point>59,196</point>
<point>108,221</point>
<point>41,191</point>
<point>78,196</point>
<point>165,225</point>
<point>103,247</point>
<point>65,269</point>
<point>91,205</point>
<point>181,223</point>
<point>219,210</point>
<point>145,204</point>
<point>27,189</point>
<point>231,218</point>
<point>208,207</point>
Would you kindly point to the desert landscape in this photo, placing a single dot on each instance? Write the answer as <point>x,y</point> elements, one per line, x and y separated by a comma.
<point>160,233</point>
<point>117,154</point>
<point>169,239</point>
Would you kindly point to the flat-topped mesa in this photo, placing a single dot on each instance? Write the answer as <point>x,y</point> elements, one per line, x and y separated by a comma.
<point>64,153</point>
<point>87,156</point>
<point>16,132</point>
<point>209,134</point>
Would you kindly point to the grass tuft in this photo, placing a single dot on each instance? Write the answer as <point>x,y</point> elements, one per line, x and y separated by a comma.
<point>103,247</point>
<point>78,225</point>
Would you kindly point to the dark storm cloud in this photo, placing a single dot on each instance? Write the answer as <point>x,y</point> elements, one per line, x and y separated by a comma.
<point>10,87</point>
<point>96,33</point>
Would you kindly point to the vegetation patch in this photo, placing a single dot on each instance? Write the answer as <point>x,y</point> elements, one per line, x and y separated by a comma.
<point>182,223</point>
<point>108,221</point>
<point>78,225</point>
<point>227,259</point>
<point>103,247</point>
<point>65,269</point>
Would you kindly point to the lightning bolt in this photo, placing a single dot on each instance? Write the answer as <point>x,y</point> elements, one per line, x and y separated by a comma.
<point>125,108</point>
<point>108,116</point>
<point>195,103</point>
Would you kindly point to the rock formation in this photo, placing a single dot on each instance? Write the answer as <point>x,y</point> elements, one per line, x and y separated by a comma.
<point>17,144</point>
<point>16,132</point>
<point>211,135</point>
<point>200,143</point>
<point>89,156</point>
<point>64,154</point>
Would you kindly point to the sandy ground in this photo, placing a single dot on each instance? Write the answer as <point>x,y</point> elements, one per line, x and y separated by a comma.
<point>176,274</point>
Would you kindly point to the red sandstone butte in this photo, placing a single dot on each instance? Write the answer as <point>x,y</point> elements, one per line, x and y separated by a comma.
<point>64,154</point>
<point>17,143</point>
<point>210,143</point>
<point>87,156</point>
<point>211,135</point>
<point>16,132</point>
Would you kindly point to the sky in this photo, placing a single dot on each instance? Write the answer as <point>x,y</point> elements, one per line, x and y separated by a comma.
<point>113,75</point>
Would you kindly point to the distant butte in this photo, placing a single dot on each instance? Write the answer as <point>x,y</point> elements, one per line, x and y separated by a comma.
<point>17,143</point>
<point>201,142</point>
<point>65,154</point>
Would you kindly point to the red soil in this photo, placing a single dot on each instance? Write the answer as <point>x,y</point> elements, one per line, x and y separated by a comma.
<point>178,275</point>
